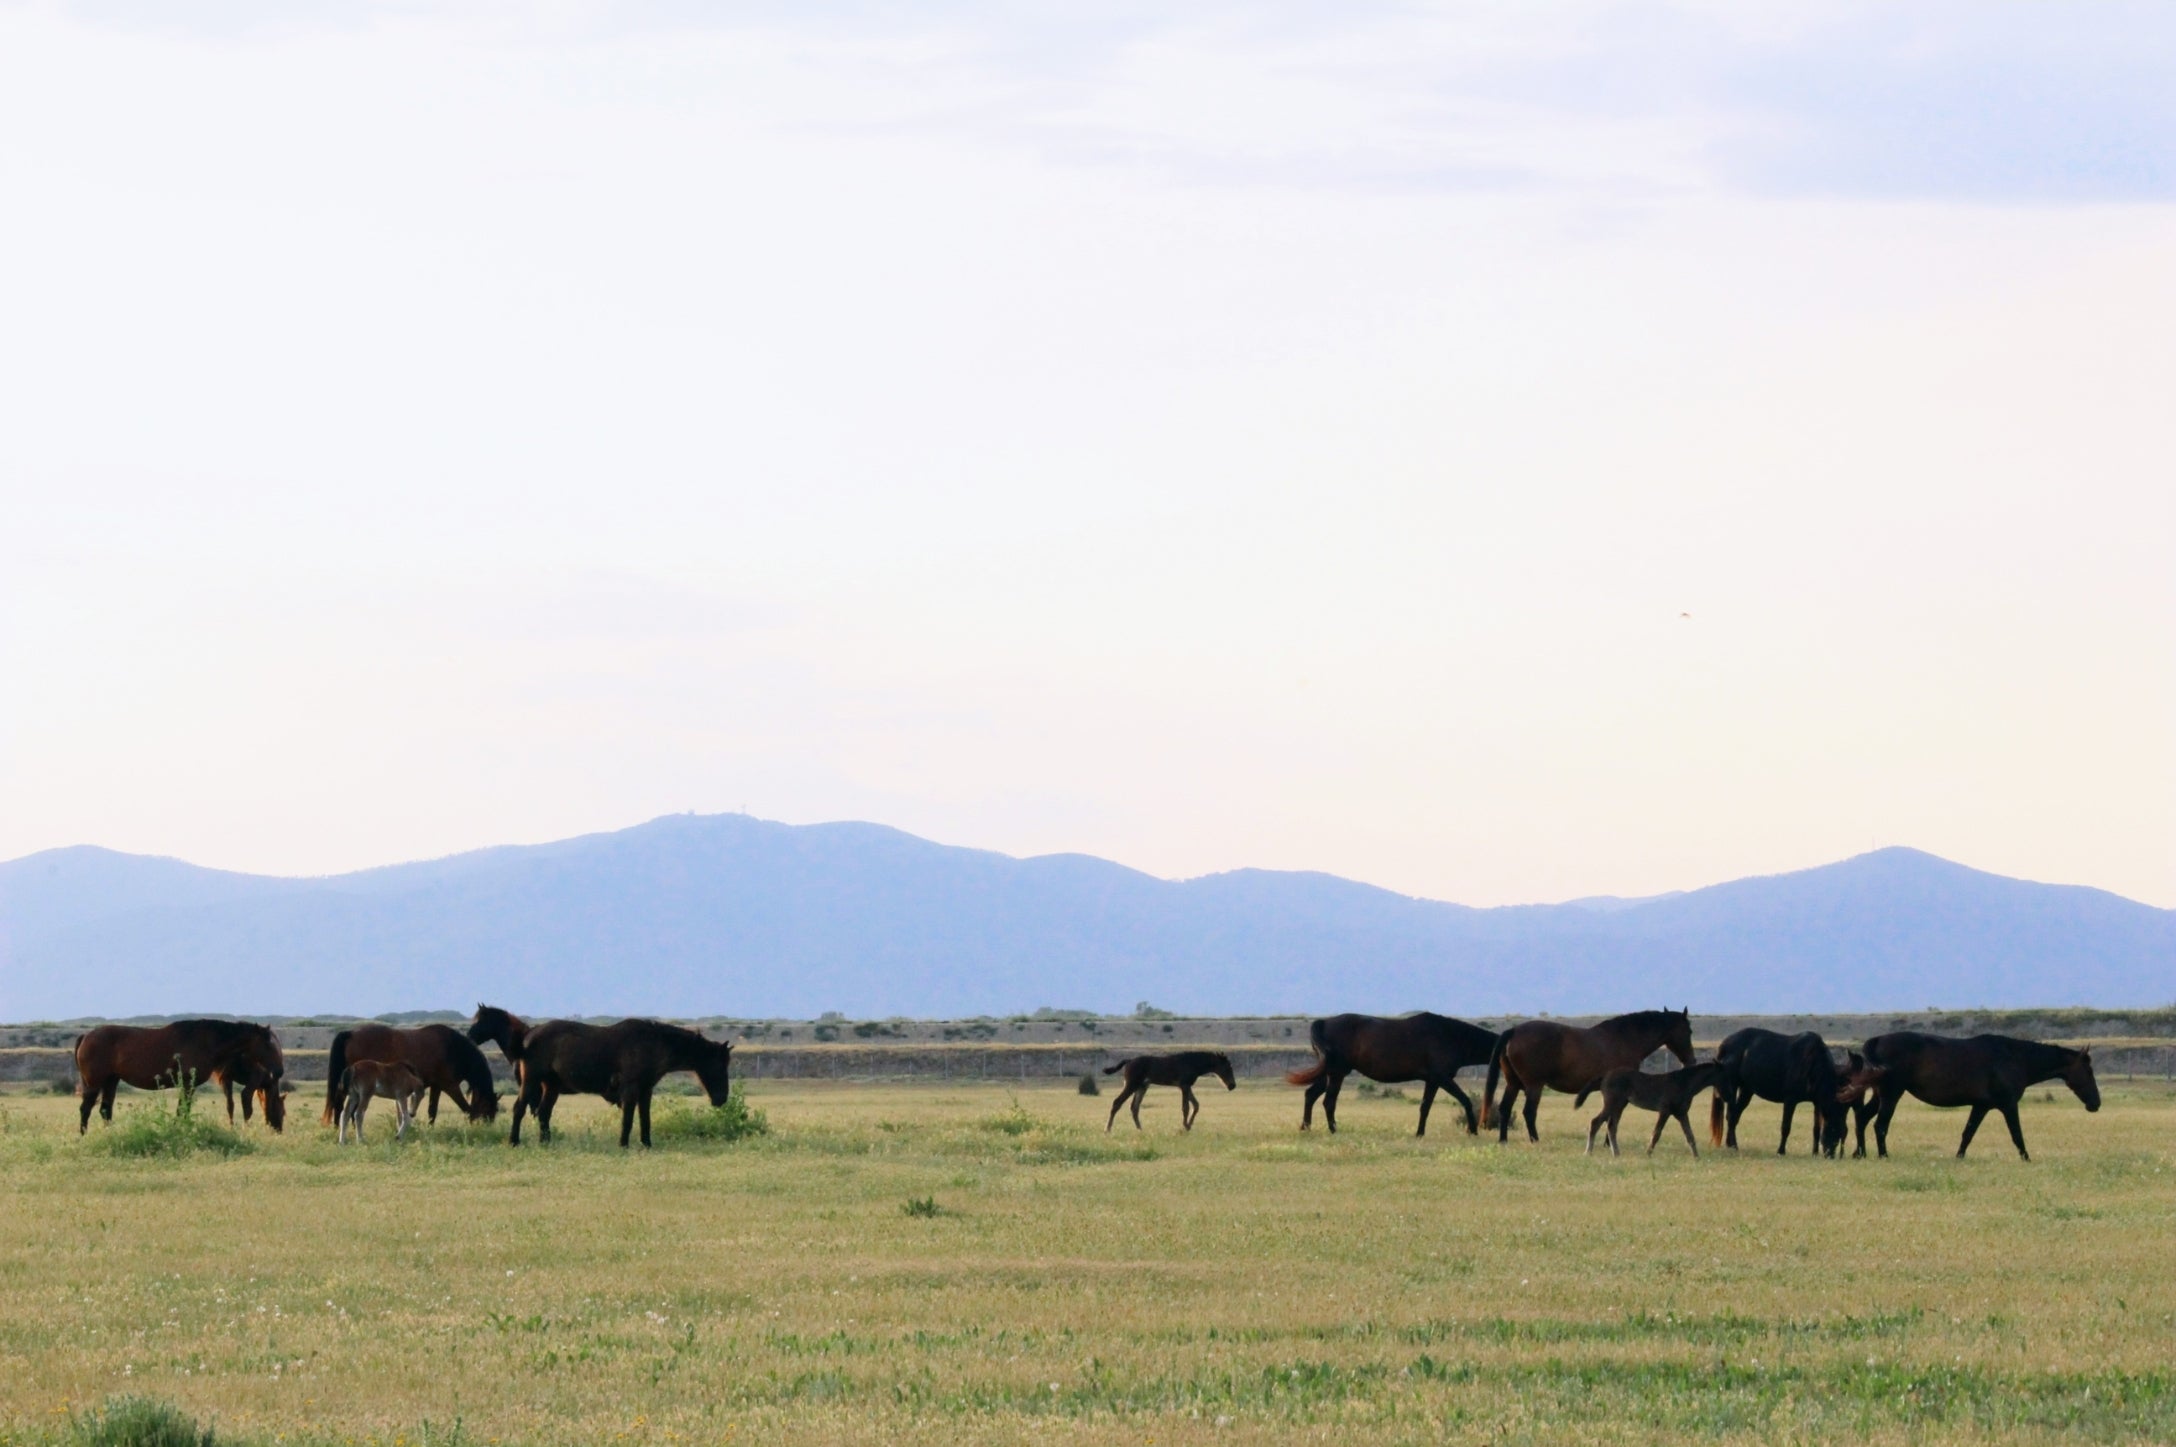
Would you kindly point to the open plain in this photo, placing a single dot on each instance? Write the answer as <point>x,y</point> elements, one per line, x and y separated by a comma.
<point>976,1264</point>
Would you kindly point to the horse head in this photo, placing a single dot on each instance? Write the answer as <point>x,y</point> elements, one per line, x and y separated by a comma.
<point>1223,1068</point>
<point>264,1073</point>
<point>2078,1075</point>
<point>715,1071</point>
<point>1677,1034</point>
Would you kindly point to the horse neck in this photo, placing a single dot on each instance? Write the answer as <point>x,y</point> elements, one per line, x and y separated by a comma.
<point>1632,1033</point>
<point>2045,1062</point>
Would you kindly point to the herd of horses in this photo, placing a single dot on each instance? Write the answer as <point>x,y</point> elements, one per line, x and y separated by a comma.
<point>623,1063</point>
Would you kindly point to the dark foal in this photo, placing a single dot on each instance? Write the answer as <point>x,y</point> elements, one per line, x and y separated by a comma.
<point>1791,1070</point>
<point>1986,1072</point>
<point>1669,1095</point>
<point>1181,1069</point>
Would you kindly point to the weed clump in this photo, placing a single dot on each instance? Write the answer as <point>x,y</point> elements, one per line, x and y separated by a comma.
<point>921,1207</point>
<point>137,1422</point>
<point>158,1130</point>
<point>672,1118</point>
<point>1014,1120</point>
<point>1088,1083</point>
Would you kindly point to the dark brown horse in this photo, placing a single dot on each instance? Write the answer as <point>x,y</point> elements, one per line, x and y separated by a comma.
<point>1791,1070</point>
<point>1986,1072</point>
<point>1181,1069</point>
<point>231,1052</point>
<point>441,1056</point>
<point>1548,1055</point>
<point>503,1028</point>
<point>623,1063</point>
<point>1425,1047</point>
<point>1669,1095</point>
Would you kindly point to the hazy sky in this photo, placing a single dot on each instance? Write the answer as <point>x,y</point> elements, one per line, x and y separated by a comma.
<point>1202,436</point>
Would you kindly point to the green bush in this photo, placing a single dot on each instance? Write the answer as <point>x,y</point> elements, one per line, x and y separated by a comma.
<point>137,1422</point>
<point>921,1206</point>
<point>1014,1121</point>
<point>672,1118</point>
<point>159,1129</point>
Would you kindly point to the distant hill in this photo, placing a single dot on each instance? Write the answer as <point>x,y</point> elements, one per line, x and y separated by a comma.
<point>732,915</point>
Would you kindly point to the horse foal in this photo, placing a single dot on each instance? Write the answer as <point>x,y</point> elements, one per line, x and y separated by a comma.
<point>366,1079</point>
<point>1182,1070</point>
<point>1669,1095</point>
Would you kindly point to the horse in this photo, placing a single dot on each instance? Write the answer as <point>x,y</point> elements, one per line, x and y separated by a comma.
<point>503,1028</point>
<point>1787,1069</point>
<point>365,1080</point>
<point>154,1057</point>
<point>622,1063</point>
<point>1669,1095</point>
<point>1182,1070</point>
<point>1546,1054</point>
<point>1426,1047</point>
<point>1986,1072</point>
<point>444,1059</point>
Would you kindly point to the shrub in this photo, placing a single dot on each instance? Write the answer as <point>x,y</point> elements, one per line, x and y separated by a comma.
<point>157,1128</point>
<point>1088,1084</point>
<point>672,1118</point>
<point>62,1085</point>
<point>137,1422</point>
<point>921,1206</point>
<point>1014,1120</point>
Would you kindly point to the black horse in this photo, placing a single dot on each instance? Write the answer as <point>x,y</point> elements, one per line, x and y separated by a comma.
<point>1425,1047</point>
<point>1986,1072</point>
<point>623,1063</point>
<point>1181,1069</point>
<point>1788,1069</point>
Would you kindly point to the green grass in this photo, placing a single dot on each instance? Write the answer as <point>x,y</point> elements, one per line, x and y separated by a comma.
<point>166,1124</point>
<point>967,1264</point>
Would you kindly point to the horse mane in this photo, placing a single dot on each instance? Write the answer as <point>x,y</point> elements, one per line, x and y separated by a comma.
<point>1639,1019</point>
<point>2042,1054</point>
<point>680,1033</point>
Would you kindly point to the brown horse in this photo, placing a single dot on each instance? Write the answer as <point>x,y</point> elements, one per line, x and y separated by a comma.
<point>1181,1069</point>
<point>1669,1095</point>
<point>623,1063</point>
<point>154,1057</point>
<point>1424,1047</point>
<point>441,1056</point>
<point>1547,1055</point>
<point>365,1080</point>
<point>1986,1072</point>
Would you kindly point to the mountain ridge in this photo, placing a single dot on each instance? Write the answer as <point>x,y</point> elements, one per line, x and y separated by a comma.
<point>691,914</point>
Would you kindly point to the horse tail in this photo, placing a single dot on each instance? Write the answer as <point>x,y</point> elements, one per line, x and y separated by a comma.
<point>1121,1065</point>
<point>1495,1069</point>
<point>1861,1081</point>
<point>1715,1117</point>
<point>1309,1074</point>
<point>336,1069</point>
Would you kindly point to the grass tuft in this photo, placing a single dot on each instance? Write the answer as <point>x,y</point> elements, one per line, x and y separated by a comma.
<point>137,1422</point>
<point>168,1129</point>
<point>923,1207</point>
<point>672,1118</point>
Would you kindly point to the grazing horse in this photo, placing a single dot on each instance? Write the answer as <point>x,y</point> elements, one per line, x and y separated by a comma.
<point>444,1059</point>
<point>1546,1054</point>
<point>1787,1069</point>
<point>365,1080</point>
<point>151,1058</point>
<point>623,1063</point>
<point>1986,1072</point>
<point>1182,1070</point>
<point>1425,1047</point>
<point>1669,1095</point>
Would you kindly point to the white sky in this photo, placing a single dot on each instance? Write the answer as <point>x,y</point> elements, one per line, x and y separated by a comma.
<point>1248,439</point>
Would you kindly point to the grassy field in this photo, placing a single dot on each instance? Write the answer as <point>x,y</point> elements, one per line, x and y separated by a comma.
<point>977,1265</point>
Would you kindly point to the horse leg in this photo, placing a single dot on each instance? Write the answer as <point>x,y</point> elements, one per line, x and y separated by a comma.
<point>521,1108</point>
<point>226,1083</point>
<point>1971,1124</point>
<point>1783,1146</point>
<point>1329,1101</point>
<point>1307,1105</point>
<point>1504,1106</point>
<point>105,1100</point>
<point>1882,1113</point>
<point>1533,1108</point>
<point>1127,1089</point>
<point>627,1117</point>
<point>1427,1098</point>
<point>1187,1106</point>
<point>547,1098</point>
<point>1738,1099</point>
<point>433,1105</point>
<point>1662,1118</point>
<point>645,1113</point>
<point>1139,1096</point>
<point>2017,1131</point>
<point>90,1103</point>
<point>1684,1120</point>
<point>1595,1125</point>
<point>1615,1112</point>
<point>1465,1103</point>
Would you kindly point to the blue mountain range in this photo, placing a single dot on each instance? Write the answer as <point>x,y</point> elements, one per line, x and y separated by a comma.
<point>731,915</point>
